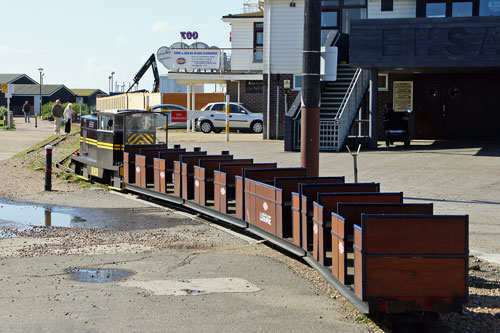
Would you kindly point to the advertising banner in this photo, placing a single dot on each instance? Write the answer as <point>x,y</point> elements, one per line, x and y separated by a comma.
<point>195,58</point>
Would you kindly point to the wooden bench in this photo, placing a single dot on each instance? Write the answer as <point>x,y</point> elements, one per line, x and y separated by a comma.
<point>325,205</point>
<point>244,196</point>
<point>165,168</point>
<point>288,185</point>
<point>187,164</point>
<point>349,214</point>
<point>225,184</point>
<point>204,178</point>
<point>412,262</point>
<point>303,202</point>
<point>144,161</point>
<point>129,153</point>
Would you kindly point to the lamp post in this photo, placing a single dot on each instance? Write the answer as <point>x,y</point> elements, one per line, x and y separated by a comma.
<point>109,84</point>
<point>41,78</point>
<point>112,73</point>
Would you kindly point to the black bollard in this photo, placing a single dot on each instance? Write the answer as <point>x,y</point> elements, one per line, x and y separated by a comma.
<point>48,168</point>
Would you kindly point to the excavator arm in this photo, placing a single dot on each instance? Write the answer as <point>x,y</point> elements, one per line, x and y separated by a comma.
<point>151,62</point>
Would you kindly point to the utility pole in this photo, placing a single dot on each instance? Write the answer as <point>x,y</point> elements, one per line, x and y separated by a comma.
<point>311,94</point>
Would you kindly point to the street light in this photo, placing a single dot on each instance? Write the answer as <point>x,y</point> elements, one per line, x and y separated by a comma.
<point>109,84</point>
<point>112,73</point>
<point>41,82</point>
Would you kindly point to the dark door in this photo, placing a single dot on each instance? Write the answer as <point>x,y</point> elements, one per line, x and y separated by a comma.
<point>441,108</point>
<point>457,106</point>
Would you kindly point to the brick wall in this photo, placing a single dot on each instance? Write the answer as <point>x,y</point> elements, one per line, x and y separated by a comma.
<point>251,99</point>
<point>277,81</point>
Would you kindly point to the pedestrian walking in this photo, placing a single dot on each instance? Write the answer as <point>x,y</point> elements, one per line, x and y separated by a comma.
<point>68,116</point>
<point>26,110</point>
<point>57,112</point>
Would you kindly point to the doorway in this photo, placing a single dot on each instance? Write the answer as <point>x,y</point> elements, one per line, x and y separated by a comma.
<point>457,106</point>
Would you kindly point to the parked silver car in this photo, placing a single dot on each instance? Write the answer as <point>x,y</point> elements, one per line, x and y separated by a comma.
<point>239,118</point>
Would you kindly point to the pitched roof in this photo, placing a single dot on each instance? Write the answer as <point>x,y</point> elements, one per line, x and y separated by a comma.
<point>7,78</point>
<point>86,92</point>
<point>259,14</point>
<point>34,89</point>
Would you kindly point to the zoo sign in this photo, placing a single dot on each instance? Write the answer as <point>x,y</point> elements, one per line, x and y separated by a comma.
<point>195,58</point>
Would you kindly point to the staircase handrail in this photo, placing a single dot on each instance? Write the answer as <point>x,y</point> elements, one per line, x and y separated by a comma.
<point>294,110</point>
<point>347,96</point>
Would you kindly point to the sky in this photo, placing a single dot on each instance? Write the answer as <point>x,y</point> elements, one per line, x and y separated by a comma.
<point>79,43</point>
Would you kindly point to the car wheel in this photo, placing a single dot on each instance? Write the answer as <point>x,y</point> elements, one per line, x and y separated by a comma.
<point>206,127</point>
<point>217,130</point>
<point>256,127</point>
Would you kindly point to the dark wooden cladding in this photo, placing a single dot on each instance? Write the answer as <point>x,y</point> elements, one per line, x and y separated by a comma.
<point>422,234</point>
<point>422,42</point>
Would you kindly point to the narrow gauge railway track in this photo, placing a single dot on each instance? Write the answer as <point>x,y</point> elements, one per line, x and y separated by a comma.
<point>383,255</point>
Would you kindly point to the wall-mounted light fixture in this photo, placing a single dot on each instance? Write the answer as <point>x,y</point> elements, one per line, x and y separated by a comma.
<point>292,3</point>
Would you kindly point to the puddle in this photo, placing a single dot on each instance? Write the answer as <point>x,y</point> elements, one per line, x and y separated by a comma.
<point>99,275</point>
<point>193,292</point>
<point>193,287</point>
<point>34,215</point>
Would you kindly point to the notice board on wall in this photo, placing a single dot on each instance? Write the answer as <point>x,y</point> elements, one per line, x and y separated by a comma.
<point>402,96</point>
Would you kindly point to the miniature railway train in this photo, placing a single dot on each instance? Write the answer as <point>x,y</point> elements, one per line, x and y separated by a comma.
<point>381,254</point>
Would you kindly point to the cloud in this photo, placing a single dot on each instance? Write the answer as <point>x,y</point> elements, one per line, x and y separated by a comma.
<point>121,39</point>
<point>162,26</point>
<point>6,49</point>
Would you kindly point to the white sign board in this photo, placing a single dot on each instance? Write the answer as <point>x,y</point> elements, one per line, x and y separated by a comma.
<point>195,58</point>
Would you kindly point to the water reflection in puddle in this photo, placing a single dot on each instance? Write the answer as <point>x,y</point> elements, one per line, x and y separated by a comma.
<point>99,275</point>
<point>20,216</point>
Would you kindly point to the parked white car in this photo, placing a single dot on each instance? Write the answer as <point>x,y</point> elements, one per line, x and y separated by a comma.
<point>239,118</point>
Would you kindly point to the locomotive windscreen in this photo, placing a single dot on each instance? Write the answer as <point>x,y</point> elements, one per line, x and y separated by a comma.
<point>145,128</point>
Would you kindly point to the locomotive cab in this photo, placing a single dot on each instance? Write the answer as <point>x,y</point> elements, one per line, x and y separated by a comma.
<point>104,137</point>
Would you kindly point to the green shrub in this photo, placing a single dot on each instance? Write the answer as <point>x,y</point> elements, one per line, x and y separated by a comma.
<point>47,110</point>
<point>3,111</point>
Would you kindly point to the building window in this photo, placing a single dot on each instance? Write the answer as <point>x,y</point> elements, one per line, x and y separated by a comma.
<point>489,8</point>
<point>457,8</point>
<point>387,5</point>
<point>297,82</point>
<point>258,41</point>
<point>336,15</point>
<point>383,82</point>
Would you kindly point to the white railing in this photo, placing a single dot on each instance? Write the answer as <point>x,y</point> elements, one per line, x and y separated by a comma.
<point>350,104</point>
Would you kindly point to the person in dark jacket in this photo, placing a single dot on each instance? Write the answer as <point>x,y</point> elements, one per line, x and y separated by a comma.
<point>26,110</point>
<point>57,113</point>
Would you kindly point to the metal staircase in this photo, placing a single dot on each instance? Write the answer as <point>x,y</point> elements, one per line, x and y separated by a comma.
<point>340,102</point>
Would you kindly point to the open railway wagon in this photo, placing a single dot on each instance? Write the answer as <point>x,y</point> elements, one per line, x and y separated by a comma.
<point>382,254</point>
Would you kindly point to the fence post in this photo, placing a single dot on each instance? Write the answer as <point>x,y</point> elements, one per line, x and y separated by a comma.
<point>48,168</point>
<point>355,159</point>
<point>227,117</point>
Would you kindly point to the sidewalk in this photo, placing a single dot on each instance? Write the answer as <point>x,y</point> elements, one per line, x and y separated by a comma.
<point>25,136</point>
